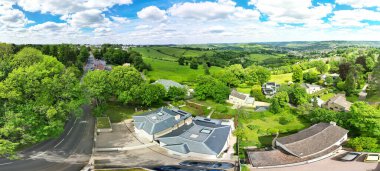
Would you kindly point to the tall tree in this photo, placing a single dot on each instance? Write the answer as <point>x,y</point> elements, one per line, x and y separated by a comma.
<point>297,74</point>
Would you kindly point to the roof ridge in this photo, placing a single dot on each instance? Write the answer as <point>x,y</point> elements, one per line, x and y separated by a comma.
<point>312,135</point>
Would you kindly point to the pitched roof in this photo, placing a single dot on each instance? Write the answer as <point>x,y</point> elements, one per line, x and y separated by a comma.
<point>238,95</point>
<point>202,136</point>
<point>313,139</point>
<point>158,120</point>
<point>340,99</point>
<point>279,157</point>
<point>306,85</point>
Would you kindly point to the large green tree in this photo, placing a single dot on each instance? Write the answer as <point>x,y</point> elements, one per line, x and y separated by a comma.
<point>364,119</point>
<point>297,74</point>
<point>97,86</point>
<point>37,98</point>
<point>298,95</point>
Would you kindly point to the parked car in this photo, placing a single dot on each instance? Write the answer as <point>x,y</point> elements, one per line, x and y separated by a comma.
<point>350,156</point>
<point>372,157</point>
<point>182,168</point>
<point>207,164</point>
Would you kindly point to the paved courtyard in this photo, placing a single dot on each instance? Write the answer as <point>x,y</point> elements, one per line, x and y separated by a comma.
<point>332,164</point>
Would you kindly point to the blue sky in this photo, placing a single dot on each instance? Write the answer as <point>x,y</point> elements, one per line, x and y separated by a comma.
<point>187,21</point>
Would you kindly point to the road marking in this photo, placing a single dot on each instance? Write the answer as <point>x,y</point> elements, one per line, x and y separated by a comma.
<point>70,130</point>
<point>59,143</point>
<point>75,121</point>
<point>6,163</point>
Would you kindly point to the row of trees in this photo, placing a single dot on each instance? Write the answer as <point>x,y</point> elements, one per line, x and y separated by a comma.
<point>37,95</point>
<point>127,86</point>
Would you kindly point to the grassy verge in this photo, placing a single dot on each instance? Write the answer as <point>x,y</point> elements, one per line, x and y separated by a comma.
<point>118,112</point>
<point>103,122</point>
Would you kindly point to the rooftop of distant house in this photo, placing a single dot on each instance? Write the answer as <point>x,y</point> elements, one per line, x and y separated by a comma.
<point>168,83</point>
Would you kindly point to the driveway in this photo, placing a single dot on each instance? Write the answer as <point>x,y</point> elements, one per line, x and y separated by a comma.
<point>332,164</point>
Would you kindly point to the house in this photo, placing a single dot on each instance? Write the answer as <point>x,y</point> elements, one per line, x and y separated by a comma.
<point>270,88</point>
<point>127,64</point>
<point>338,103</point>
<point>313,140</point>
<point>168,83</point>
<point>312,88</point>
<point>153,124</point>
<point>333,75</point>
<point>312,144</point>
<point>320,102</point>
<point>241,99</point>
<point>204,137</point>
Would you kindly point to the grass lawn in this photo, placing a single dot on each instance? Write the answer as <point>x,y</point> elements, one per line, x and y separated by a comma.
<point>103,122</point>
<point>148,52</point>
<point>281,78</point>
<point>259,127</point>
<point>221,111</point>
<point>373,98</point>
<point>174,71</point>
<point>244,90</point>
<point>118,112</point>
<point>327,96</point>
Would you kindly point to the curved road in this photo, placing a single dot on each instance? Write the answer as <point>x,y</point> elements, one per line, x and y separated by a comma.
<point>71,151</point>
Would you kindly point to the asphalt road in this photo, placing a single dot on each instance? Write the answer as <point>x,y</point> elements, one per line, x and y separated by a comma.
<point>71,151</point>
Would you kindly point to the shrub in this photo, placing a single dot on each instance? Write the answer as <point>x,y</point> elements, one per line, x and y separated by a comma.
<point>283,120</point>
<point>253,127</point>
<point>221,108</point>
<point>364,143</point>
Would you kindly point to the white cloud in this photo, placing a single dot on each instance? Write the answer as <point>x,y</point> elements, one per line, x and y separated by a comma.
<point>89,18</point>
<point>65,7</point>
<point>222,9</point>
<point>292,11</point>
<point>11,18</point>
<point>121,20</point>
<point>152,13</point>
<point>349,18</point>
<point>359,3</point>
<point>49,27</point>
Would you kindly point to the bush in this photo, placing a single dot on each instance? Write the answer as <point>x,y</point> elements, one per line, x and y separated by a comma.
<point>253,127</point>
<point>283,120</point>
<point>364,144</point>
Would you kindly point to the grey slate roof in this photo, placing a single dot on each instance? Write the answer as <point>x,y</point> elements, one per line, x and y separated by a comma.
<point>205,136</point>
<point>168,83</point>
<point>313,140</point>
<point>159,120</point>
<point>238,95</point>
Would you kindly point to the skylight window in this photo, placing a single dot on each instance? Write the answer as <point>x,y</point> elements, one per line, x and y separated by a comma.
<point>206,131</point>
<point>194,136</point>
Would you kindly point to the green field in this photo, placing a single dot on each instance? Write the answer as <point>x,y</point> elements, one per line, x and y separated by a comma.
<point>262,57</point>
<point>327,96</point>
<point>173,71</point>
<point>281,78</point>
<point>168,53</point>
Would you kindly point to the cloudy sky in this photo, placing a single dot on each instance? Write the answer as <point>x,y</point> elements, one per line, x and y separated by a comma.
<point>187,21</point>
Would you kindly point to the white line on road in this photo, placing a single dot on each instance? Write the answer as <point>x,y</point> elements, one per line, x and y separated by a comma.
<point>75,121</point>
<point>6,163</point>
<point>59,143</point>
<point>70,130</point>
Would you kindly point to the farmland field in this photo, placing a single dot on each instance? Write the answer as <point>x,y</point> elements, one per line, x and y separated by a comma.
<point>173,71</point>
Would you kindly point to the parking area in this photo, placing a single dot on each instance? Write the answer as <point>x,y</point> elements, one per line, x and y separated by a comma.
<point>134,153</point>
<point>333,164</point>
<point>119,137</point>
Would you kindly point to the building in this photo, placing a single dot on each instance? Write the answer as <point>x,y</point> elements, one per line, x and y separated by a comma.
<point>169,83</point>
<point>156,123</point>
<point>313,140</point>
<point>338,103</point>
<point>312,144</point>
<point>312,88</point>
<point>205,138</point>
<point>241,99</point>
<point>270,88</point>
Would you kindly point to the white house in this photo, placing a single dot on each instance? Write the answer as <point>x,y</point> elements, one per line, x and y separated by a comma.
<point>241,99</point>
<point>312,88</point>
